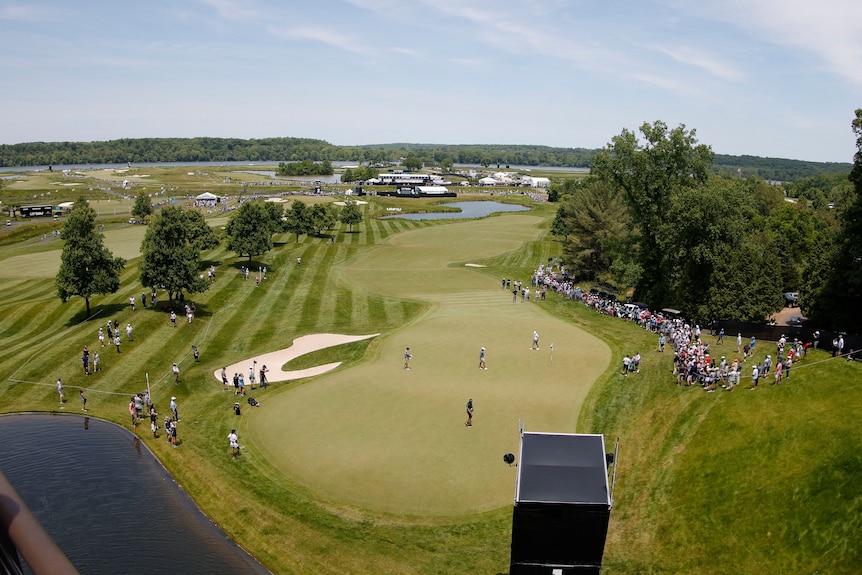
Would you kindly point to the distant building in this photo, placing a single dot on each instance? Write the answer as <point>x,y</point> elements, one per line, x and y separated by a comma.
<point>535,182</point>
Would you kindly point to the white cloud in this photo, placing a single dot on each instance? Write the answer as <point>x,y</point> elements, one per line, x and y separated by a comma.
<point>323,35</point>
<point>699,59</point>
<point>24,13</point>
<point>828,29</point>
<point>234,9</point>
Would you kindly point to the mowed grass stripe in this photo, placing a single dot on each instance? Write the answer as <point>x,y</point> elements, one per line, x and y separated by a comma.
<point>16,290</point>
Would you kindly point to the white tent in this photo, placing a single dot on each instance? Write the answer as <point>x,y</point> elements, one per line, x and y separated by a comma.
<point>207,196</point>
<point>488,182</point>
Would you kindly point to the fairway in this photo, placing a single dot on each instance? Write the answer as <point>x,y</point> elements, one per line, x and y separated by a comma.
<point>388,439</point>
<point>124,242</point>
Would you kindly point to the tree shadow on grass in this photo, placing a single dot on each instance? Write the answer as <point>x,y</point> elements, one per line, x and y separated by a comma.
<point>97,313</point>
<point>178,306</point>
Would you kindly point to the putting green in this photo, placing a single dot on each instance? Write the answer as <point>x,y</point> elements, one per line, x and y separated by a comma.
<point>384,438</point>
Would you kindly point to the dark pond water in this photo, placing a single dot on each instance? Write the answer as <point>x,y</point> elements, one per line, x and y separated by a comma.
<point>106,501</point>
<point>468,210</point>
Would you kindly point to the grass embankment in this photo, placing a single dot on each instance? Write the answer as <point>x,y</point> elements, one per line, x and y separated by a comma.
<point>745,482</point>
<point>764,481</point>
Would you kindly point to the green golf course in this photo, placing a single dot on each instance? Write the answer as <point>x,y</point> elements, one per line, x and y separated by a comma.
<point>384,438</point>
<point>370,469</point>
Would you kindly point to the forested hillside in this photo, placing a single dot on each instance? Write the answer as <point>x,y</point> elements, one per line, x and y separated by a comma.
<point>139,150</point>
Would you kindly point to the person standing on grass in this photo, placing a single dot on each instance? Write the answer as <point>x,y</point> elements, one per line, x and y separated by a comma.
<point>779,370</point>
<point>720,336</point>
<point>224,378</point>
<point>263,383</point>
<point>143,300</point>
<point>173,318</point>
<point>101,337</point>
<point>738,342</point>
<point>129,332</point>
<point>176,371</point>
<point>83,401</point>
<point>154,422</point>
<point>407,357</point>
<point>174,434</point>
<point>97,363</point>
<point>233,439</point>
<point>251,375</point>
<point>174,411</point>
<point>132,302</point>
<point>482,359</point>
<point>133,413</point>
<point>469,413</point>
<point>535,340</point>
<point>117,342</point>
<point>60,389</point>
<point>755,375</point>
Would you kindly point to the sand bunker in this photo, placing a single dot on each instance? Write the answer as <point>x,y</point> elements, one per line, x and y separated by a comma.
<point>357,202</point>
<point>279,200</point>
<point>474,265</point>
<point>301,346</point>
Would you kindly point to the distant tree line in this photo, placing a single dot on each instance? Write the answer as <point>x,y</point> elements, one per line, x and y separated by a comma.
<point>653,215</point>
<point>140,150</point>
<point>305,168</point>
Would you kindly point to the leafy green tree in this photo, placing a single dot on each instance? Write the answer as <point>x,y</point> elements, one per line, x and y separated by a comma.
<point>650,173</point>
<point>837,302</point>
<point>274,215</point>
<point>561,188</point>
<point>446,164</point>
<point>412,163</point>
<point>741,287</point>
<point>350,213</point>
<point>298,219</point>
<point>322,218</point>
<point>598,229</point>
<point>699,222</point>
<point>306,167</point>
<point>558,226</point>
<point>203,237</point>
<point>170,252</point>
<point>249,230</point>
<point>142,208</point>
<point>87,267</point>
<point>795,230</point>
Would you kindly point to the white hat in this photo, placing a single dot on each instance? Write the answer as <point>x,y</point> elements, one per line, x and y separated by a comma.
<point>173,398</point>
<point>483,349</point>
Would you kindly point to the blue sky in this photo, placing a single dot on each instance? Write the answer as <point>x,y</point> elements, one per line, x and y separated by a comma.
<point>777,78</point>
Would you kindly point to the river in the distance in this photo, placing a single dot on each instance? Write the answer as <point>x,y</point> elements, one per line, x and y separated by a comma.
<point>108,503</point>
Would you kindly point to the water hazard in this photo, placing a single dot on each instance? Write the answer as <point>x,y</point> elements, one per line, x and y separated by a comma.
<point>466,210</point>
<point>106,501</point>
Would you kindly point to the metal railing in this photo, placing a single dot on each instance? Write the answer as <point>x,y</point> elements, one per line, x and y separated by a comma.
<point>21,533</point>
